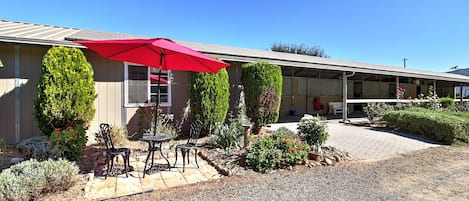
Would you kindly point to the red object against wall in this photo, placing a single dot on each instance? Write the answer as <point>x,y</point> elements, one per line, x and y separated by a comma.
<point>317,103</point>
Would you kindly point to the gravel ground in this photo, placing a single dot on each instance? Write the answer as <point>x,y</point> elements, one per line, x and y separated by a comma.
<point>440,173</point>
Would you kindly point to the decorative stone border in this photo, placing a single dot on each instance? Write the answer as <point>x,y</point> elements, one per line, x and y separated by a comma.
<point>220,169</point>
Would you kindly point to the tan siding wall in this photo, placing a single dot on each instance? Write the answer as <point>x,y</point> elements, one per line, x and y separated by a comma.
<point>7,94</point>
<point>30,70</point>
<point>234,73</point>
<point>108,76</point>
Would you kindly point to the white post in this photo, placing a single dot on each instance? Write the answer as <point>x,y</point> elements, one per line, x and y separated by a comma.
<point>344,97</point>
<point>460,92</point>
<point>397,87</point>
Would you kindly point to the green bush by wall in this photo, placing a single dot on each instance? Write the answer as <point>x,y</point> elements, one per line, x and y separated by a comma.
<point>444,127</point>
<point>66,90</point>
<point>209,98</point>
<point>262,84</point>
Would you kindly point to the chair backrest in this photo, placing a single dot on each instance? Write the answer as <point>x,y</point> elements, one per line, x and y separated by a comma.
<point>106,135</point>
<point>196,127</point>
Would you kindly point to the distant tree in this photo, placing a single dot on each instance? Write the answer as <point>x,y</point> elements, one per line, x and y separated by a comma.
<point>299,49</point>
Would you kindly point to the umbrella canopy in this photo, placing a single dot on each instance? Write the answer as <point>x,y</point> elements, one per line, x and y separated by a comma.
<point>159,53</point>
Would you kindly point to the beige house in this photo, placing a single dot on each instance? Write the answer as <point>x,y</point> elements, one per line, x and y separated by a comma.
<point>311,84</point>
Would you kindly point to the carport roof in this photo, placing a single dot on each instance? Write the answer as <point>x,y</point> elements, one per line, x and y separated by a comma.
<point>28,33</point>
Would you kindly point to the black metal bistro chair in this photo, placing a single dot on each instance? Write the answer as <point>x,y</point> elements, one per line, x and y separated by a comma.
<point>190,145</point>
<point>112,152</point>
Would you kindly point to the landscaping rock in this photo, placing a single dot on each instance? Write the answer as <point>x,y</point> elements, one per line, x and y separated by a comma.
<point>328,161</point>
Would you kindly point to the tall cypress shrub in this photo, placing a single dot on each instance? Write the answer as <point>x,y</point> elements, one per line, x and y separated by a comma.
<point>65,92</point>
<point>263,92</point>
<point>209,98</point>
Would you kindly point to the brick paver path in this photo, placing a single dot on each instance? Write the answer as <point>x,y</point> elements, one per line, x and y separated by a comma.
<point>365,143</point>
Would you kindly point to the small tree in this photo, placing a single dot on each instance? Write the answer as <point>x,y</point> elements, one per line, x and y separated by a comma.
<point>65,92</point>
<point>262,84</point>
<point>209,98</point>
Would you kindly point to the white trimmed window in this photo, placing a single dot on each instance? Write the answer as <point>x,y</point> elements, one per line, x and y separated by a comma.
<point>140,89</point>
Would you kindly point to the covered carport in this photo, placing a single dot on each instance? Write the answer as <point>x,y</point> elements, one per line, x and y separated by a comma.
<point>311,83</point>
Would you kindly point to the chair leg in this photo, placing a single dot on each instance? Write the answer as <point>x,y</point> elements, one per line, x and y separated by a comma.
<point>107,167</point>
<point>175,160</point>
<point>183,152</point>
<point>128,160</point>
<point>196,158</point>
<point>146,162</point>
<point>112,164</point>
<point>125,165</point>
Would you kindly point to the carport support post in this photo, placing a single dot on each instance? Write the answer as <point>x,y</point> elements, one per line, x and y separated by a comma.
<point>460,93</point>
<point>344,97</point>
<point>397,87</point>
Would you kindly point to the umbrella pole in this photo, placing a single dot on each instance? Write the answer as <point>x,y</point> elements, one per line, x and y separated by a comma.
<point>157,104</point>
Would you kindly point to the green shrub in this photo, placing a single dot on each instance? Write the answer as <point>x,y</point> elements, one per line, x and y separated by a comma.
<point>278,150</point>
<point>262,84</point>
<point>167,125</point>
<point>447,102</point>
<point>29,179</point>
<point>376,110</point>
<point>118,136</point>
<point>66,90</point>
<point>312,130</point>
<point>464,107</point>
<point>229,136</point>
<point>70,141</point>
<point>286,131</point>
<point>39,148</point>
<point>209,98</point>
<point>440,126</point>
<point>430,101</point>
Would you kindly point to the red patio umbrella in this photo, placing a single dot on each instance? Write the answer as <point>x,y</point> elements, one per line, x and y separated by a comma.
<point>160,53</point>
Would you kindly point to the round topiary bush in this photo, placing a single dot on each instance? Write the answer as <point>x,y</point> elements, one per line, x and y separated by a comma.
<point>262,84</point>
<point>66,91</point>
<point>209,98</point>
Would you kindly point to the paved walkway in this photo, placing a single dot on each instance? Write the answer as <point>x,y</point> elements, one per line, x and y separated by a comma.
<point>365,143</point>
<point>117,186</point>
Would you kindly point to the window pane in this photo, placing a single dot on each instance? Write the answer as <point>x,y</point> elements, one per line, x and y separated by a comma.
<point>163,97</point>
<point>163,86</point>
<point>138,84</point>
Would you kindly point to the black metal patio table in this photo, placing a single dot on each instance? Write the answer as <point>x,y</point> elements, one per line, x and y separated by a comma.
<point>155,143</point>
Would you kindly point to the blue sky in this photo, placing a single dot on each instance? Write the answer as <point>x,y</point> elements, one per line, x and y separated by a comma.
<point>432,35</point>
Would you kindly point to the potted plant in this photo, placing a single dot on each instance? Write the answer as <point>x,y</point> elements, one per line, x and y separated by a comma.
<point>315,153</point>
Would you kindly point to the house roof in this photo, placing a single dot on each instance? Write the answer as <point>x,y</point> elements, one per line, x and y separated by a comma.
<point>463,71</point>
<point>20,32</point>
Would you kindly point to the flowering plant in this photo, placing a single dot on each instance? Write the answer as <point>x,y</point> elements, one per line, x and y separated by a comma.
<point>312,130</point>
<point>70,141</point>
<point>276,151</point>
<point>400,91</point>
